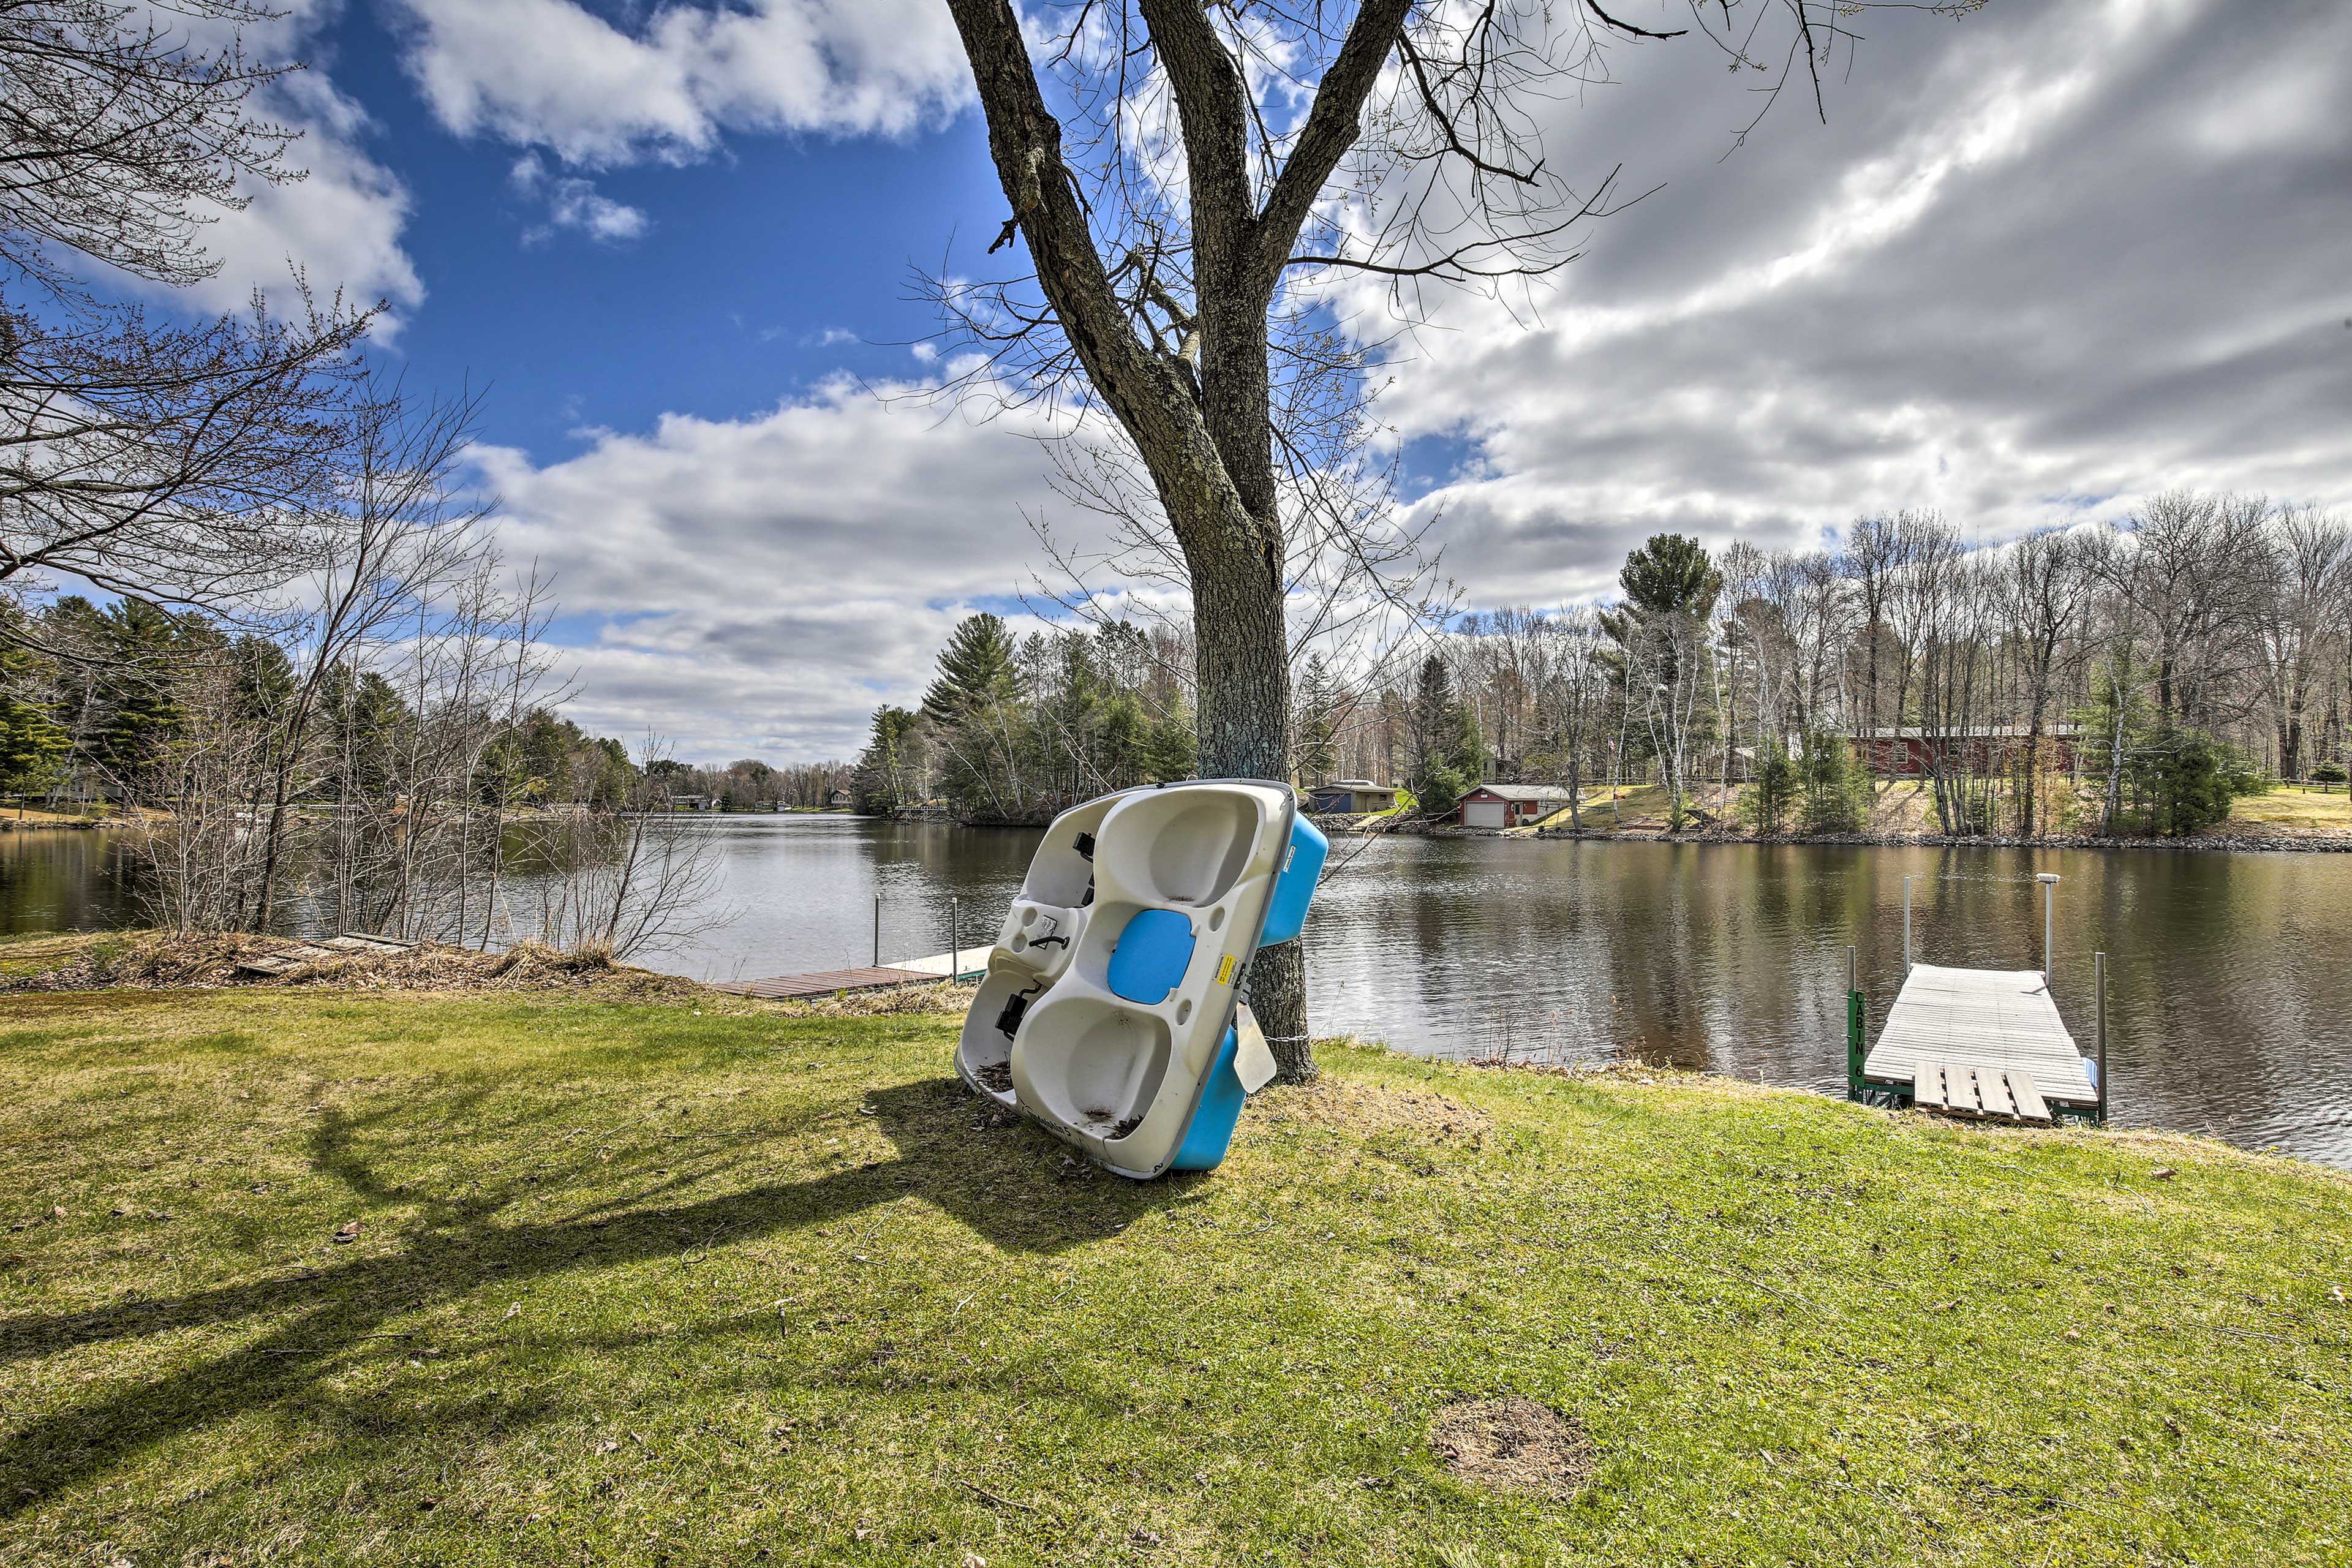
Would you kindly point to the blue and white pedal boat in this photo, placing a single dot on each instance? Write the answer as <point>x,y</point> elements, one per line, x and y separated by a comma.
<point>1110,1012</point>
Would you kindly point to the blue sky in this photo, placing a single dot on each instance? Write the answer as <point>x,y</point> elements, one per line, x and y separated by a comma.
<point>778,261</point>
<point>2040,254</point>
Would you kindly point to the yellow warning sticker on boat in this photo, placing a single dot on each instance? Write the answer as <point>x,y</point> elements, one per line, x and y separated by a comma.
<point>1225,970</point>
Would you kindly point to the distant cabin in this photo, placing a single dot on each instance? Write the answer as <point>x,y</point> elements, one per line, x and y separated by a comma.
<point>839,800</point>
<point>1908,753</point>
<point>1509,805</point>
<point>1351,798</point>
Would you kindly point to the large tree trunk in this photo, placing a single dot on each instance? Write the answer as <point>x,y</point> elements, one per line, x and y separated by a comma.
<point>1243,668</point>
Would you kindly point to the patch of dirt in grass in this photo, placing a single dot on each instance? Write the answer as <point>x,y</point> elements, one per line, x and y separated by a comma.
<point>1366,1107</point>
<point>1515,1445</point>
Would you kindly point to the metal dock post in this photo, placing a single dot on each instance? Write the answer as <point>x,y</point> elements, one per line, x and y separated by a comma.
<point>2099,980</point>
<point>2049,880</point>
<point>1853,1052</point>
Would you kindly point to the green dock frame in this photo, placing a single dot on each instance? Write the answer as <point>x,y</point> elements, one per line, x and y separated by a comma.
<point>1853,1045</point>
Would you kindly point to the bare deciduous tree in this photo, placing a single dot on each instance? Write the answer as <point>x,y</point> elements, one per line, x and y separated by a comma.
<point>178,464</point>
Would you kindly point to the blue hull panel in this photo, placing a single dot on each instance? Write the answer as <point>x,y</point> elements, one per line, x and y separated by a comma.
<point>1212,1132</point>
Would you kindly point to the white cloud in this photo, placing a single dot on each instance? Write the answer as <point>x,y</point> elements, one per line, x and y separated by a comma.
<point>2015,290</point>
<point>574,204</point>
<point>760,585</point>
<point>341,225</point>
<point>550,73</point>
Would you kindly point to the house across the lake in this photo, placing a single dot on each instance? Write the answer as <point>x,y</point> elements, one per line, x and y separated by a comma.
<point>1909,752</point>
<point>1509,805</point>
<point>1351,796</point>
<point>839,800</point>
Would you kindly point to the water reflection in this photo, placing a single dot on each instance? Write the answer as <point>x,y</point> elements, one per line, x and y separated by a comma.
<point>67,878</point>
<point>2229,1011</point>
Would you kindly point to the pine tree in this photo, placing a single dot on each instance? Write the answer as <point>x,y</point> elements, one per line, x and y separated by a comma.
<point>143,650</point>
<point>975,671</point>
<point>1318,724</point>
<point>1836,790</point>
<point>1172,748</point>
<point>1440,740</point>
<point>32,744</point>
<point>1468,755</point>
<point>880,783</point>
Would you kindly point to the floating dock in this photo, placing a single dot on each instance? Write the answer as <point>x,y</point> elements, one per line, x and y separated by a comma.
<point>1986,1044</point>
<point>1981,1042</point>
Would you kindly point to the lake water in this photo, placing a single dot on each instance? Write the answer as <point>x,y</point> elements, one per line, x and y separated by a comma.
<point>2230,998</point>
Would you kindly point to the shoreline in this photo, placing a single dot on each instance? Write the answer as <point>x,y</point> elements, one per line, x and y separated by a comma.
<point>2261,844</point>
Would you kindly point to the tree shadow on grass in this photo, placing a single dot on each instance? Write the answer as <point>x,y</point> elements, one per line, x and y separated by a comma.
<point>1011,1184</point>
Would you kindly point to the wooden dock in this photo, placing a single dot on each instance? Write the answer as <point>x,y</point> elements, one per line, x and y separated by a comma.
<point>824,984</point>
<point>1981,1043</point>
<point>290,954</point>
<point>968,965</point>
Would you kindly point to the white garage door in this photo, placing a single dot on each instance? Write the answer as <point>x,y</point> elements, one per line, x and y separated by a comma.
<point>1483,813</point>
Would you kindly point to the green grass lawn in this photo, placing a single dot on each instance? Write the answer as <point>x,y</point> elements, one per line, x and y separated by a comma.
<point>2293,808</point>
<point>700,1282</point>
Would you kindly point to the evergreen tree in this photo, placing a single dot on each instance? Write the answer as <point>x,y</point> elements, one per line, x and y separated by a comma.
<point>1468,755</point>
<point>975,671</point>
<point>1317,725</point>
<point>879,783</point>
<point>1661,660</point>
<point>1444,737</point>
<point>139,714</point>
<point>265,678</point>
<point>32,744</point>
<point>1835,787</point>
<point>1172,748</point>
<point>1774,789</point>
<point>361,721</point>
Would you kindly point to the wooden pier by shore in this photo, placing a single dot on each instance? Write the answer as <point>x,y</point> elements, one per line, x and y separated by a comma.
<point>1988,1044</point>
<point>1981,1042</point>
<point>826,983</point>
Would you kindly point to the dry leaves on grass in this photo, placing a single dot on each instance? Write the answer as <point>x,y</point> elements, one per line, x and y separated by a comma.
<point>944,997</point>
<point>1516,1445</point>
<point>1368,1106</point>
<point>163,962</point>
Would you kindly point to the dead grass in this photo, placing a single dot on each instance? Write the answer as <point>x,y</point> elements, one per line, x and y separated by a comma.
<point>155,961</point>
<point>947,998</point>
<point>1359,1108</point>
<point>2293,810</point>
<point>1515,1445</point>
<point>32,816</point>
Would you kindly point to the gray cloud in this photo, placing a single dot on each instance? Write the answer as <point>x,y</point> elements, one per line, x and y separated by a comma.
<point>2041,258</point>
